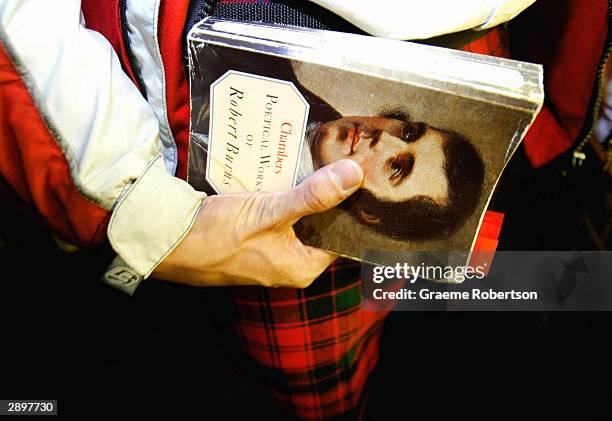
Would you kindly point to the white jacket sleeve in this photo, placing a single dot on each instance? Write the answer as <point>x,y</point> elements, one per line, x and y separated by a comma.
<point>106,130</point>
<point>419,19</point>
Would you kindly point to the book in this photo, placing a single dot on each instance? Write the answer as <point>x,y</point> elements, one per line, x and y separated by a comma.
<point>433,129</point>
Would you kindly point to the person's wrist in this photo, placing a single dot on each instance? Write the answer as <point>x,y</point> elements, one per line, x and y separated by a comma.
<point>151,218</point>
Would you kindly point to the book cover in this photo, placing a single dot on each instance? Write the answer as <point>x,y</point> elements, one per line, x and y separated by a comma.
<point>432,128</point>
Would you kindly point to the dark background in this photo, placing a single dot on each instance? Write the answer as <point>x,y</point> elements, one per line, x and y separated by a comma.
<point>168,352</point>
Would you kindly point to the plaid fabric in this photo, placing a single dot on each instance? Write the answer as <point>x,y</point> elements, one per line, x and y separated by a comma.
<point>315,348</point>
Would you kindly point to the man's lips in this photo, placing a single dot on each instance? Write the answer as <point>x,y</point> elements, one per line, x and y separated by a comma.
<point>350,136</point>
<point>354,137</point>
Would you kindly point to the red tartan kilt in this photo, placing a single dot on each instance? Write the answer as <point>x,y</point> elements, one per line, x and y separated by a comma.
<point>317,346</point>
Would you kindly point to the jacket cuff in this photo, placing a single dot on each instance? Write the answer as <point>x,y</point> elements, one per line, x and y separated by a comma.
<point>505,11</point>
<point>150,220</point>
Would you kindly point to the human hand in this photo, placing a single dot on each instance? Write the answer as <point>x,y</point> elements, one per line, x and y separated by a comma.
<point>248,238</point>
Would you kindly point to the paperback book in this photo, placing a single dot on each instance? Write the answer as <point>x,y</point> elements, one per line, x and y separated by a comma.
<point>432,128</point>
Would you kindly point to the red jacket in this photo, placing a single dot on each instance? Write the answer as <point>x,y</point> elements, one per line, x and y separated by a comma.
<point>54,177</point>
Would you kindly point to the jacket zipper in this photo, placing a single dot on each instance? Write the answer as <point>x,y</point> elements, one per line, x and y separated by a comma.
<point>128,49</point>
<point>600,88</point>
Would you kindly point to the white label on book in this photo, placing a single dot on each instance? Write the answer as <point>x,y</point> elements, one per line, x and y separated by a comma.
<point>257,127</point>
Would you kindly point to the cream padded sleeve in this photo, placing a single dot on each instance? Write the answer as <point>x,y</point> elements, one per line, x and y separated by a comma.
<point>419,19</point>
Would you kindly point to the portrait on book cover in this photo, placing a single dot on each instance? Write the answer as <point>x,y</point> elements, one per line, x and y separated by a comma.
<point>431,158</point>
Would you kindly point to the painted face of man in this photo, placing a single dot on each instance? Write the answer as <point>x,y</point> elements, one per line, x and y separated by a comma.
<point>400,160</point>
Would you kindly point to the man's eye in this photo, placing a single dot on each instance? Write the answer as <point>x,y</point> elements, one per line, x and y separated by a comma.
<point>401,167</point>
<point>396,169</point>
<point>407,133</point>
<point>412,131</point>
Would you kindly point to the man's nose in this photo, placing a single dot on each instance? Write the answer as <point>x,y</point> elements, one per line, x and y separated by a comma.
<point>368,159</point>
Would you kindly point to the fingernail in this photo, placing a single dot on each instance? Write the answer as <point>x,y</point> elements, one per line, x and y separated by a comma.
<point>346,174</point>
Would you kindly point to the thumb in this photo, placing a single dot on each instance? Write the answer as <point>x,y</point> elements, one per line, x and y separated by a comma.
<point>324,189</point>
